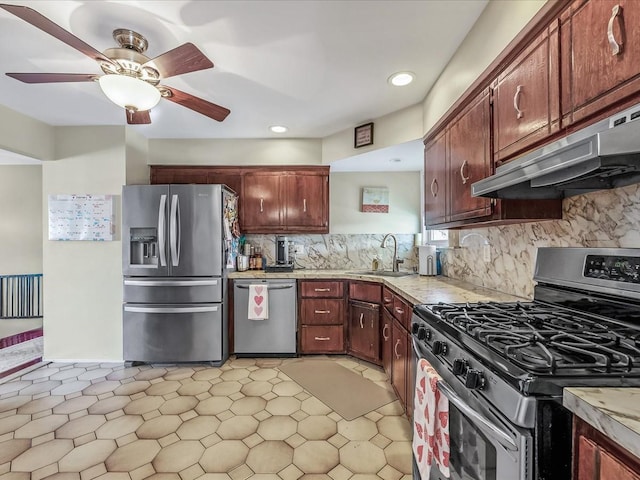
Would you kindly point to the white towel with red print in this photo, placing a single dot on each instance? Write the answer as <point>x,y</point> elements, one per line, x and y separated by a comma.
<point>430,422</point>
<point>258,302</point>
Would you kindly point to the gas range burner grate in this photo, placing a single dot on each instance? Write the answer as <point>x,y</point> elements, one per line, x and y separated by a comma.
<point>546,339</point>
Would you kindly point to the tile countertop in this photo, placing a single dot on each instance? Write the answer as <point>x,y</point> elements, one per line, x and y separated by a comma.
<point>414,288</point>
<point>612,411</point>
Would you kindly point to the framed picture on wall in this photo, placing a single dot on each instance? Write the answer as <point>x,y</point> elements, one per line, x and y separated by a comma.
<point>363,135</point>
<point>375,200</point>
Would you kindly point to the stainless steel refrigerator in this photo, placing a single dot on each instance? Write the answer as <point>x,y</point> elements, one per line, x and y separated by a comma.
<point>176,252</point>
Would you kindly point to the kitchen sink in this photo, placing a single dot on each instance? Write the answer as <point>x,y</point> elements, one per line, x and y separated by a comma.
<point>383,273</point>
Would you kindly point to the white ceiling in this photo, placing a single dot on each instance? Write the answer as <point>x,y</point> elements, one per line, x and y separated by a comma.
<point>318,67</point>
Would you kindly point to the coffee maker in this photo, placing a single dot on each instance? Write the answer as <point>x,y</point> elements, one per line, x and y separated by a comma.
<point>282,250</point>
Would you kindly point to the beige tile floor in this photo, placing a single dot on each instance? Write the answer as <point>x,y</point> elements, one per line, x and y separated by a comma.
<point>245,419</point>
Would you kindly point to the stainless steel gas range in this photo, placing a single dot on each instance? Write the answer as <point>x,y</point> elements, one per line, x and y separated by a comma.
<point>504,365</point>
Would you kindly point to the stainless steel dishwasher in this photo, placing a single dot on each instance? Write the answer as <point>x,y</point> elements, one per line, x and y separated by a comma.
<point>274,336</point>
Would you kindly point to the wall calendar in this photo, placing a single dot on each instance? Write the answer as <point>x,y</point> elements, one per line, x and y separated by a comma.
<point>81,217</point>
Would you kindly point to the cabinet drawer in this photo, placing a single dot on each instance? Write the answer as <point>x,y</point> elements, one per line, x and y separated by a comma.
<point>322,289</point>
<point>402,312</point>
<point>387,299</point>
<point>365,291</point>
<point>316,339</point>
<point>322,311</point>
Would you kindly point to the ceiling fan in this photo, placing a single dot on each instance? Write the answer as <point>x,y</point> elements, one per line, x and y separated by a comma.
<point>131,79</point>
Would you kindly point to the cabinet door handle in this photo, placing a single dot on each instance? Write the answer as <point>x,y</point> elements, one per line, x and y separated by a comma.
<point>361,319</point>
<point>386,300</point>
<point>322,339</point>
<point>261,205</point>
<point>321,289</point>
<point>616,47</point>
<point>434,187</point>
<point>464,179</point>
<point>322,311</point>
<point>372,323</point>
<point>304,205</point>
<point>400,311</point>
<point>395,348</point>
<point>384,329</point>
<point>516,102</point>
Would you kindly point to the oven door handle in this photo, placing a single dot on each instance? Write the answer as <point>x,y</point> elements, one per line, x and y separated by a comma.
<point>480,421</point>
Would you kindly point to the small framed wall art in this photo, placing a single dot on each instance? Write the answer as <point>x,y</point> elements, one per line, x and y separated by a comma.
<point>375,200</point>
<point>363,135</point>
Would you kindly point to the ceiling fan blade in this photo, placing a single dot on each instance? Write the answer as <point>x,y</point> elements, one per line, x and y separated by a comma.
<point>38,20</point>
<point>138,118</point>
<point>53,77</point>
<point>183,59</point>
<point>199,105</point>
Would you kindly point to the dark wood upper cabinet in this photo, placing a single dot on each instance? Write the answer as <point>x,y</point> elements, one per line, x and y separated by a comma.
<point>470,159</point>
<point>261,202</point>
<point>600,45</point>
<point>280,199</point>
<point>435,180</point>
<point>526,97</point>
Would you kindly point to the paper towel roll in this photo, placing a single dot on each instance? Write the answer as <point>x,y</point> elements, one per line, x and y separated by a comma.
<point>427,260</point>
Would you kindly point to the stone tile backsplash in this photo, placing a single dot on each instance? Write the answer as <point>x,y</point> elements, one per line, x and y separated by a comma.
<point>608,218</point>
<point>342,252</point>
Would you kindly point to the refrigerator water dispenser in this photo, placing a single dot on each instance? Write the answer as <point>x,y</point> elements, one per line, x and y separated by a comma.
<point>144,247</point>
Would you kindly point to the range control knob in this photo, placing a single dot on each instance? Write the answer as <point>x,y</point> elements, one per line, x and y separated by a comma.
<point>423,333</point>
<point>414,328</point>
<point>474,379</point>
<point>439,348</point>
<point>460,366</point>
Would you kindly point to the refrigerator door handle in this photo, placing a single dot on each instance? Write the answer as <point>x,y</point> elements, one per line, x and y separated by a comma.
<point>200,309</point>
<point>161,230</point>
<point>174,230</point>
<point>169,283</point>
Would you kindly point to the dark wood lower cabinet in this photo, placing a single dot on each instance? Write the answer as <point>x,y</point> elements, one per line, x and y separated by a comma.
<point>400,349</point>
<point>596,457</point>
<point>364,330</point>
<point>387,344</point>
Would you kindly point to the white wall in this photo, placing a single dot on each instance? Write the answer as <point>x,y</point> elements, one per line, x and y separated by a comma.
<point>83,280</point>
<point>21,224</point>
<point>498,24</point>
<point>346,195</point>
<point>393,129</point>
<point>286,151</point>
<point>137,153</point>
<point>25,135</point>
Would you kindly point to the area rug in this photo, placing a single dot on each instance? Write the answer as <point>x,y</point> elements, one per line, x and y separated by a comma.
<point>348,394</point>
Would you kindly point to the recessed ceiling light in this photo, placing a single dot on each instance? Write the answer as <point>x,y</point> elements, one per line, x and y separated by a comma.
<point>395,160</point>
<point>278,129</point>
<point>401,79</point>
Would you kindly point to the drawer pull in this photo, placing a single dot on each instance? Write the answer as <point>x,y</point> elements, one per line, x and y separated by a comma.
<point>516,102</point>
<point>322,311</point>
<point>322,339</point>
<point>384,329</point>
<point>395,348</point>
<point>321,289</point>
<point>361,319</point>
<point>386,300</point>
<point>400,311</point>
<point>615,46</point>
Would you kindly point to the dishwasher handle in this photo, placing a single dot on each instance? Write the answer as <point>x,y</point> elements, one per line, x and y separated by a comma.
<point>269,287</point>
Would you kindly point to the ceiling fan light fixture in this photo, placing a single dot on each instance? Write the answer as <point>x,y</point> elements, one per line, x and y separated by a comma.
<point>129,92</point>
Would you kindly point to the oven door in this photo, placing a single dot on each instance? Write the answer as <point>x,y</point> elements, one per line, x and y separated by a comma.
<point>483,444</point>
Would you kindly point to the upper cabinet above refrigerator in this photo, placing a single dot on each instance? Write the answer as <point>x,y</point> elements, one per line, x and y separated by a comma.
<point>174,230</point>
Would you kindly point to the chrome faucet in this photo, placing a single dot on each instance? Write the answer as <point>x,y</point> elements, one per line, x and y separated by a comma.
<point>396,261</point>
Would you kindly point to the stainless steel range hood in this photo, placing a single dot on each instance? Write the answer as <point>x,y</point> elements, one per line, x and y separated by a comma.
<point>602,156</point>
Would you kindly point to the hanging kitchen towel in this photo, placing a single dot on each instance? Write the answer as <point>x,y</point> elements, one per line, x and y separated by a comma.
<point>430,422</point>
<point>258,302</point>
